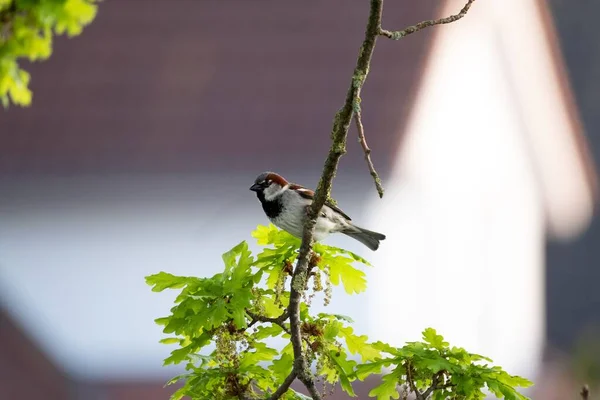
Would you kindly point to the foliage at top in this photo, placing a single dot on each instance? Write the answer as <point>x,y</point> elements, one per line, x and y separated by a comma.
<point>26,31</point>
<point>224,327</point>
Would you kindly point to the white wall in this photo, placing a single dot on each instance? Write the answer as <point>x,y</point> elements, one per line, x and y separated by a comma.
<point>465,210</point>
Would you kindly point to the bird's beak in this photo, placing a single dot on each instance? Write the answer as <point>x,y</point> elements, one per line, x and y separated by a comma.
<point>256,187</point>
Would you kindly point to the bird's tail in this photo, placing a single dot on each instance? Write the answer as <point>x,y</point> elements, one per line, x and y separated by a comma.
<point>368,238</point>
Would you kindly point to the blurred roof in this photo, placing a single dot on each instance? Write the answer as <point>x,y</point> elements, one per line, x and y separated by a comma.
<point>26,371</point>
<point>207,84</point>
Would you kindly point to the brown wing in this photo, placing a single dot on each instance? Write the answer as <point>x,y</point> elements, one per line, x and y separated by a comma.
<point>310,195</point>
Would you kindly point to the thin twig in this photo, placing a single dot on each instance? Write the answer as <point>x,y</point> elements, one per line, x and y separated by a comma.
<point>585,392</point>
<point>7,16</point>
<point>261,318</point>
<point>411,382</point>
<point>367,151</point>
<point>281,322</point>
<point>397,35</point>
<point>436,385</point>
<point>284,386</point>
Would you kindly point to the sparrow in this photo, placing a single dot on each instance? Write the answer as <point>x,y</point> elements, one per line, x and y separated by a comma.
<point>286,205</point>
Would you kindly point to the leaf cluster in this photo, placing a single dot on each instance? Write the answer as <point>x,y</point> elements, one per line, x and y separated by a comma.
<point>433,368</point>
<point>239,310</point>
<point>26,31</point>
<point>224,327</point>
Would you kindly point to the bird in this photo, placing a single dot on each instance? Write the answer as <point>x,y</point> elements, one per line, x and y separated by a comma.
<point>286,206</point>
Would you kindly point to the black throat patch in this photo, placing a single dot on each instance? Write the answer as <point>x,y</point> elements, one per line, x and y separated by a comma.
<point>272,208</point>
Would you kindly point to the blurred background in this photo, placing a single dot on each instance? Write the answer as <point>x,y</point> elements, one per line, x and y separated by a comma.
<point>147,130</point>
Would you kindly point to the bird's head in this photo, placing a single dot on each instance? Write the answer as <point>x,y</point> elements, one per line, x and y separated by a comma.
<point>269,185</point>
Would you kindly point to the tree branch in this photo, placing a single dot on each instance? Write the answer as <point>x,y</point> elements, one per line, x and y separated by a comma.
<point>367,151</point>
<point>284,386</point>
<point>7,17</point>
<point>261,318</point>
<point>411,382</point>
<point>339,133</point>
<point>436,384</point>
<point>397,35</point>
<point>277,321</point>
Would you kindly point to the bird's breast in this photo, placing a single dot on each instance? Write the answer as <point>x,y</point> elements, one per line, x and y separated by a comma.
<point>272,208</point>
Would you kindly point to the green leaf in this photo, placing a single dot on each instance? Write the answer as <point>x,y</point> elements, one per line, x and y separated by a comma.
<point>386,348</point>
<point>262,234</point>
<point>345,369</point>
<point>179,393</point>
<point>218,314</point>
<point>171,340</point>
<point>339,317</point>
<point>282,366</point>
<point>4,4</point>
<point>162,321</point>
<point>238,303</point>
<point>388,387</point>
<point>373,367</point>
<point>358,344</point>
<point>298,396</point>
<point>173,325</point>
<point>271,308</point>
<point>271,235</point>
<point>176,379</point>
<point>477,357</point>
<point>435,363</point>
<point>354,280</point>
<point>345,318</point>
<point>164,280</point>
<point>239,318</point>
<point>179,355</point>
<point>437,341</point>
<point>331,330</point>
<point>274,277</point>
<point>259,353</point>
<point>230,257</point>
<point>322,248</point>
<point>263,332</point>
